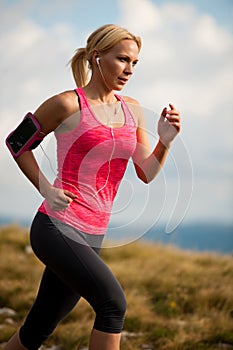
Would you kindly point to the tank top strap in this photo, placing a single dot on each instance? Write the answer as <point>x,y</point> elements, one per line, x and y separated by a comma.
<point>82,98</point>
<point>84,105</point>
<point>128,114</point>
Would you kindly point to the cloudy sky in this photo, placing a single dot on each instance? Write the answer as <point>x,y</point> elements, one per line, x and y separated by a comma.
<point>186,59</point>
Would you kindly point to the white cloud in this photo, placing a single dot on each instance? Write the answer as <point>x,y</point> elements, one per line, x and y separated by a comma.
<point>186,59</point>
<point>33,67</point>
<point>188,55</point>
<point>140,14</point>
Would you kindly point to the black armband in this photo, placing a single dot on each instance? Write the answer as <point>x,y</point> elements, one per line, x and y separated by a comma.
<point>25,137</point>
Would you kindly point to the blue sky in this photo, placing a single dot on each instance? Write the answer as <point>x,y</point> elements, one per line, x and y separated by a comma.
<point>48,13</point>
<point>186,58</point>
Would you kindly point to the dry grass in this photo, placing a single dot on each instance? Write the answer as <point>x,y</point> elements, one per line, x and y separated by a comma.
<point>176,300</point>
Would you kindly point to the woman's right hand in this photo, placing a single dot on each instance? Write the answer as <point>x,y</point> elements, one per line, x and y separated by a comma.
<point>59,199</point>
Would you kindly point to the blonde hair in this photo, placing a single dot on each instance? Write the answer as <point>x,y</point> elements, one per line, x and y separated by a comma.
<point>102,40</point>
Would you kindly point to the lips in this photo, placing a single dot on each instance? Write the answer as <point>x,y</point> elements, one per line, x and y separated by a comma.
<point>123,80</point>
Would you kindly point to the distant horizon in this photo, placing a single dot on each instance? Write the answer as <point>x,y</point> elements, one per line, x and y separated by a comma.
<point>212,237</point>
<point>6,218</point>
<point>196,180</point>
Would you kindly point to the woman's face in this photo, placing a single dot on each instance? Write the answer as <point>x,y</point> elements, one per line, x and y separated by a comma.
<point>117,65</point>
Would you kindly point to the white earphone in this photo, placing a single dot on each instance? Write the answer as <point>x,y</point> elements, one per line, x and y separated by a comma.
<point>100,69</point>
<point>112,152</point>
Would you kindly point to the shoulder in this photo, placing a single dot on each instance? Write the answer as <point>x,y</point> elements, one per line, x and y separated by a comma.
<point>130,100</point>
<point>56,109</point>
<point>135,108</point>
<point>63,103</point>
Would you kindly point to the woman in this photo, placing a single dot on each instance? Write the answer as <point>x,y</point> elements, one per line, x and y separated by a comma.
<point>97,132</point>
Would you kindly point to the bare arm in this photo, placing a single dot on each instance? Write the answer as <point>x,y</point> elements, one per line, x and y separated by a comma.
<point>148,164</point>
<point>50,114</point>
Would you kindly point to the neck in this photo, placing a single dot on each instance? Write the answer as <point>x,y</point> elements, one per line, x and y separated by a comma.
<point>99,94</point>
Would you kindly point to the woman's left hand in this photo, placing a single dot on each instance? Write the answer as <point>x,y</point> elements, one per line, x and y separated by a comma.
<point>168,125</point>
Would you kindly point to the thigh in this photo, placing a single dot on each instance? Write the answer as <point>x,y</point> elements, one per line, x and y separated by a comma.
<point>76,264</point>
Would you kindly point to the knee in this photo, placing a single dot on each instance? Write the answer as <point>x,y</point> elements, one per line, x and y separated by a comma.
<point>117,305</point>
<point>111,314</point>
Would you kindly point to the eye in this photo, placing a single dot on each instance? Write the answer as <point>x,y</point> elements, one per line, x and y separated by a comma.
<point>122,59</point>
<point>126,59</point>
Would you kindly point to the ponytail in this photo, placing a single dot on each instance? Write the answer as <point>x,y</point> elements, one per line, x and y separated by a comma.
<point>102,40</point>
<point>79,66</point>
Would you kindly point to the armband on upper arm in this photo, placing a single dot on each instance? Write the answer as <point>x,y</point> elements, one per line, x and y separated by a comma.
<point>25,137</point>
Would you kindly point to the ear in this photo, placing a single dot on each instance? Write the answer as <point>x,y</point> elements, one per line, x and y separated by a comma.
<point>95,54</point>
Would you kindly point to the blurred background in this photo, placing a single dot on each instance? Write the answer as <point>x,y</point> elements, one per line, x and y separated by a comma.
<point>186,59</point>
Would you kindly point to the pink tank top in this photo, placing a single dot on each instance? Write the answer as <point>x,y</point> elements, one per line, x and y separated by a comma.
<point>92,159</point>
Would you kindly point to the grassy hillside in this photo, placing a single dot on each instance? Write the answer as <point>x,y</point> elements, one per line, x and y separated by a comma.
<point>176,300</point>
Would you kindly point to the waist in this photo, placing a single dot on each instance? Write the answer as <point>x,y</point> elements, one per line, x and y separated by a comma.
<point>79,216</point>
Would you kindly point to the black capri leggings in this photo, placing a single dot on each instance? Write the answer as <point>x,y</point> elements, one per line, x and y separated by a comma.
<point>73,269</point>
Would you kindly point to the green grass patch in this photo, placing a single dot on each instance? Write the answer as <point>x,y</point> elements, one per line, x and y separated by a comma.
<point>176,300</point>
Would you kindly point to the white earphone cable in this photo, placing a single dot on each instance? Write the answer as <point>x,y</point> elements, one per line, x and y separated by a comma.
<point>109,161</point>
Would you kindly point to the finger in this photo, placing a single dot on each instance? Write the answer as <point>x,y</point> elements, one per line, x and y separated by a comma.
<point>62,202</point>
<point>176,126</point>
<point>60,206</point>
<point>67,202</point>
<point>173,112</point>
<point>70,194</point>
<point>173,118</point>
<point>171,105</point>
<point>164,112</point>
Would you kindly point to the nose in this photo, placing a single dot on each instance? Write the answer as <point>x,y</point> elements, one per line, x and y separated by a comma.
<point>129,68</point>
